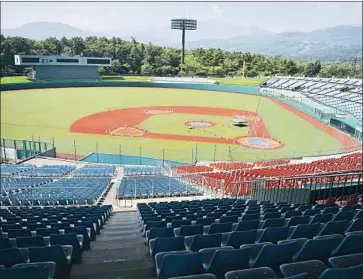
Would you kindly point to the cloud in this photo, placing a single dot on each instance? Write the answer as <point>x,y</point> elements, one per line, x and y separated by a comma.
<point>217,12</point>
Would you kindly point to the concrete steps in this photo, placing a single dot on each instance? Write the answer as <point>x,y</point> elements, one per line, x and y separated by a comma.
<point>119,252</point>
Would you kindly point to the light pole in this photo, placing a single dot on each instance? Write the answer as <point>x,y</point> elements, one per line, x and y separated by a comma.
<point>183,24</point>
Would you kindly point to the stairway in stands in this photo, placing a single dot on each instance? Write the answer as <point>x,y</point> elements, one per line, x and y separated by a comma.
<point>119,252</point>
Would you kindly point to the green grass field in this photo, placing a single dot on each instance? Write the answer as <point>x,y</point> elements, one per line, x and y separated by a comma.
<point>48,113</point>
<point>227,80</point>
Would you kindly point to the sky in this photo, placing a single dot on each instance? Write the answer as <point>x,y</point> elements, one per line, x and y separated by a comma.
<point>107,16</point>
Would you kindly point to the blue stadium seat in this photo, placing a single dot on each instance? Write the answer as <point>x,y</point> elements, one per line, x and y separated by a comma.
<point>291,213</point>
<point>159,232</point>
<point>273,222</point>
<point>200,276</point>
<point>10,257</point>
<point>154,224</point>
<point>350,207</point>
<point>351,244</point>
<point>54,254</point>
<point>344,215</point>
<point>28,272</point>
<point>317,249</point>
<point>47,269</point>
<point>321,218</point>
<point>205,241</point>
<point>220,228</point>
<point>6,227</point>
<point>346,261</point>
<point>255,248</point>
<point>250,217</point>
<point>47,231</point>
<point>166,244</point>
<point>354,272</point>
<point>208,253</point>
<point>359,214</point>
<point>355,226</point>
<point>298,220</point>
<point>299,241</point>
<point>205,221</point>
<point>272,215</point>
<point>311,212</point>
<point>179,223</point>
<point>305,231</point>
<point>189,230</point>
<point>69,239</point>
<point>273,255</point>
<point>314,268</point>
<point>338,227</point>
<point>238,238</point>
<point>5,243</point>
<point>252,273</point>
<point>274,234</point>
<point>181,265</point>
<point>19,233</point>
<point>248,225</point>
<point>228,219</point>
<point>331,210</point>
<point>159,258</point>
<point>34,241</point>
<point>81,230</point>
<point>228,260</point>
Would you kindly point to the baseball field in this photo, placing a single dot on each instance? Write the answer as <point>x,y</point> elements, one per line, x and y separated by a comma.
<point>176,124</point>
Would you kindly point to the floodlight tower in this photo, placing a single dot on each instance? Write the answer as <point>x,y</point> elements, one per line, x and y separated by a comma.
<point>183,24</point>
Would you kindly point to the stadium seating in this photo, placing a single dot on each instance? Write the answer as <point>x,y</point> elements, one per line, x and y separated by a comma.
<point>47,246</point>
<point>49,171</point>
<point>10,169</point>
<point>65,191</point>
<point>94,171</point>
<point>158,186</point>
<point>142,170</point>
<point>294,248</point>
<point>344,95</point>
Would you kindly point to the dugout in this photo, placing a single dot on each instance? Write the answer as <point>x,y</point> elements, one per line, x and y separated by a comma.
<point>56,68</point>
<point>349,126</point>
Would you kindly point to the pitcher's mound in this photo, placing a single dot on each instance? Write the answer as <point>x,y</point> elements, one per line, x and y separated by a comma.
<point>128,132</point>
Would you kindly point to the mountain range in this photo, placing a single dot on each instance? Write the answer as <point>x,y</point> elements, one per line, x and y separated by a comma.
<point>339,43</point>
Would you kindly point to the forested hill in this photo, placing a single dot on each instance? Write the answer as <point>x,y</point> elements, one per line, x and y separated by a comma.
<point>132,57</point>
<point>339,43</point>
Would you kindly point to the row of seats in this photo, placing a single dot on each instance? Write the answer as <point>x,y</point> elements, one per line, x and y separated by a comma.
<point>142,170</point>
<point>16,184</point>
<point>11,169</point>
<point>57,236</point>
<point>49,171</point>
<point>154,186</point>
<point>65,191</point>
<point>222,248</point>
<point>345,96</point>
<point>94,171</point>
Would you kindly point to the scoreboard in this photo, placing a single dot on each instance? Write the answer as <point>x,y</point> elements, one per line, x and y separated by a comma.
<point>56,60</point>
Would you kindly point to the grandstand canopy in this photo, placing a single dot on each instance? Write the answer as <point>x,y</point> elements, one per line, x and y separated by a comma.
<point>57,60</point>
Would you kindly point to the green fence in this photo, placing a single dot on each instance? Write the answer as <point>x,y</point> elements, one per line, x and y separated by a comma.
<point>13,150</point>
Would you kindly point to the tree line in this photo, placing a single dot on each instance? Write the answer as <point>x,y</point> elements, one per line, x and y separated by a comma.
<point>135,58</point>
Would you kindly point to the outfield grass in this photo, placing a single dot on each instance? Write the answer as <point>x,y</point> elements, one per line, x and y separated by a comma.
<point>228,80</point>
<point>18,79</point>
<point>48,113</point>
<point>127,78</point>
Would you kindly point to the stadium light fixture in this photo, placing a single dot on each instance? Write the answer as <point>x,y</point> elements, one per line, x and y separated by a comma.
<point>183,24</point>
